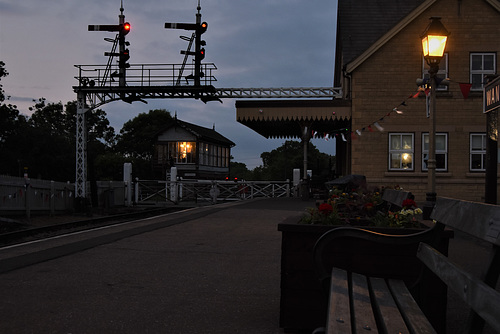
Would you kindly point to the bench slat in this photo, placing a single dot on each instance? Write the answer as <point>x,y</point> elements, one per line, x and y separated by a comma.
<point>482,298</point>
<point>361,306</point>
<point>386,308</point>
<point>477,219</point>
<point>411,312</point>
<point>339,316</point>
<point>395,197</point>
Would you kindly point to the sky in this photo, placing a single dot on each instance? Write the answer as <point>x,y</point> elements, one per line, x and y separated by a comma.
<point>259,43</point>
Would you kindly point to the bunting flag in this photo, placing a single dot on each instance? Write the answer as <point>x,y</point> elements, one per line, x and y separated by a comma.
<point>465,89</point>
<point>424,88</point>
<point>378,126</point>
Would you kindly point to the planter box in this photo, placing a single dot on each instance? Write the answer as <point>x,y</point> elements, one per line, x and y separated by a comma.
<point>303,303</point>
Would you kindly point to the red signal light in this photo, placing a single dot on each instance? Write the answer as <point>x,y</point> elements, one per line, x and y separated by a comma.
<point>125,28</point>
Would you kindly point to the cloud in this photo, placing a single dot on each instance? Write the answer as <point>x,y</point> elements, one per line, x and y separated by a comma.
<point>271,43</point>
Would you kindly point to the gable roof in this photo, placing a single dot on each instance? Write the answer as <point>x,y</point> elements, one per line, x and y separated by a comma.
<point>201,133</point>
<point>366,25</point>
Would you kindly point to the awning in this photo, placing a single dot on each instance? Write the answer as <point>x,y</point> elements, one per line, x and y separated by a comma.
<point>285,118</point>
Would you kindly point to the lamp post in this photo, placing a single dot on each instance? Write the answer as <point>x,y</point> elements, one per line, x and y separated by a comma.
<point>433,45</point>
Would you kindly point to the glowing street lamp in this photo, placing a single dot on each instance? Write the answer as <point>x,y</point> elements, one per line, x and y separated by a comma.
<point>434,40</point>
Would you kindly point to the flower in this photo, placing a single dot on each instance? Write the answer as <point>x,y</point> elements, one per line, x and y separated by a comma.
<point>325,208</point>
<point>361,207</point>
<point>409,203</point>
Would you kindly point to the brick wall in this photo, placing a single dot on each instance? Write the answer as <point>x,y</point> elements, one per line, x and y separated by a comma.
<point>388,77</point>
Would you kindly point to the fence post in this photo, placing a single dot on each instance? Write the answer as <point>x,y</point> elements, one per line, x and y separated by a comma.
<point>27,203</point>
<point>214,192</point>
<point>127,178</point>
<point>287,187</point>
<point>52,199</point>
<point>136,190</point>
<point>173,185</point>
<point>68,195</point>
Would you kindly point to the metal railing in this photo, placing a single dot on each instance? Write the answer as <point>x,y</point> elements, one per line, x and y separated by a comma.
<point>144,75</point>
<point>153,192</point>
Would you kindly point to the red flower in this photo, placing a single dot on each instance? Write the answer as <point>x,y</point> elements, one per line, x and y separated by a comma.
<point>409,203</point>
<point>325,208</point>
<point>368,206</point>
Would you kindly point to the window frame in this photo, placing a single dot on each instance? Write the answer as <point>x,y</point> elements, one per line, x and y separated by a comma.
<point>442,73</point>
<point>401,152</point>
<point>482,152</point>
<point>482,71</point>
<point>438,152</point>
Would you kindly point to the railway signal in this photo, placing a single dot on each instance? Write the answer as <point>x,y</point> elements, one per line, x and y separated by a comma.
<point>199,29</point>
<point>123,28</point>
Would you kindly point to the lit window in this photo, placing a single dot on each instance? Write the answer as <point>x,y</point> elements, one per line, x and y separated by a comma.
<point>481,64</point>
<point>186,152</point>
<point>401,151</point>
<point>478,152</point>
<point>441,151</point>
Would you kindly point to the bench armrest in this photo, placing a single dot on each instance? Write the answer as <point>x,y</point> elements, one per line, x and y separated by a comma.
<point>481,297</point>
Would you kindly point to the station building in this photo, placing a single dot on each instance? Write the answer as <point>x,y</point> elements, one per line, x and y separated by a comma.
<point>380,122</point>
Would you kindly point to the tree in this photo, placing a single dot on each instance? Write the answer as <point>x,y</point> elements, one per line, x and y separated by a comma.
<point>12,126</point>
<point>280,162</point>
<point>239,170</point>
<point>45,142</point>
<point>137,138</point>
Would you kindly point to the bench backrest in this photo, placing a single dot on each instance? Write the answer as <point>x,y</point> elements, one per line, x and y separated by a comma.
<point>395,197</point>
<point>481,221</point>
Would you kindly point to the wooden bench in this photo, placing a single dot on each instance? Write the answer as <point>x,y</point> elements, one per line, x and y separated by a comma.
<point>360,302</point>
<point>394,199</point>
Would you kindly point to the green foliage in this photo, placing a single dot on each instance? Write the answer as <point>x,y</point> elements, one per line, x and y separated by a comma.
<point>280,162</point>
<point>138,136</point>
<point>239,170</point>
<point>44,143</point>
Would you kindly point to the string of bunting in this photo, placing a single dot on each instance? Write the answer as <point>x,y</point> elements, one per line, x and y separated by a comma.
<point>341,133</point>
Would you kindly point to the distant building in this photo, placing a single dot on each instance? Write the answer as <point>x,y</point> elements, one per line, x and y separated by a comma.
<point>196,152</point>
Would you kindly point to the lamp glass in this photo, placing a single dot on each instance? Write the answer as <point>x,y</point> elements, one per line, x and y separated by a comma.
<point>434,45</point>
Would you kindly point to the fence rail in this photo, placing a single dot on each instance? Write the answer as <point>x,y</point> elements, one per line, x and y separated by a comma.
<point>25,196</point>
<point>149,192</point>
<point>19,194</point>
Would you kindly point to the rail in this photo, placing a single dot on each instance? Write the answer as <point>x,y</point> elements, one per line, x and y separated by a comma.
<point>143,75</point>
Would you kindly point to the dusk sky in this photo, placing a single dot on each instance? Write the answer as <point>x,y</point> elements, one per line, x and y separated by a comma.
<point>263,43</point>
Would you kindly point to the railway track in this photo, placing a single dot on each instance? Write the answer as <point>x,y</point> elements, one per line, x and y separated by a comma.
<point>37,233</point>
